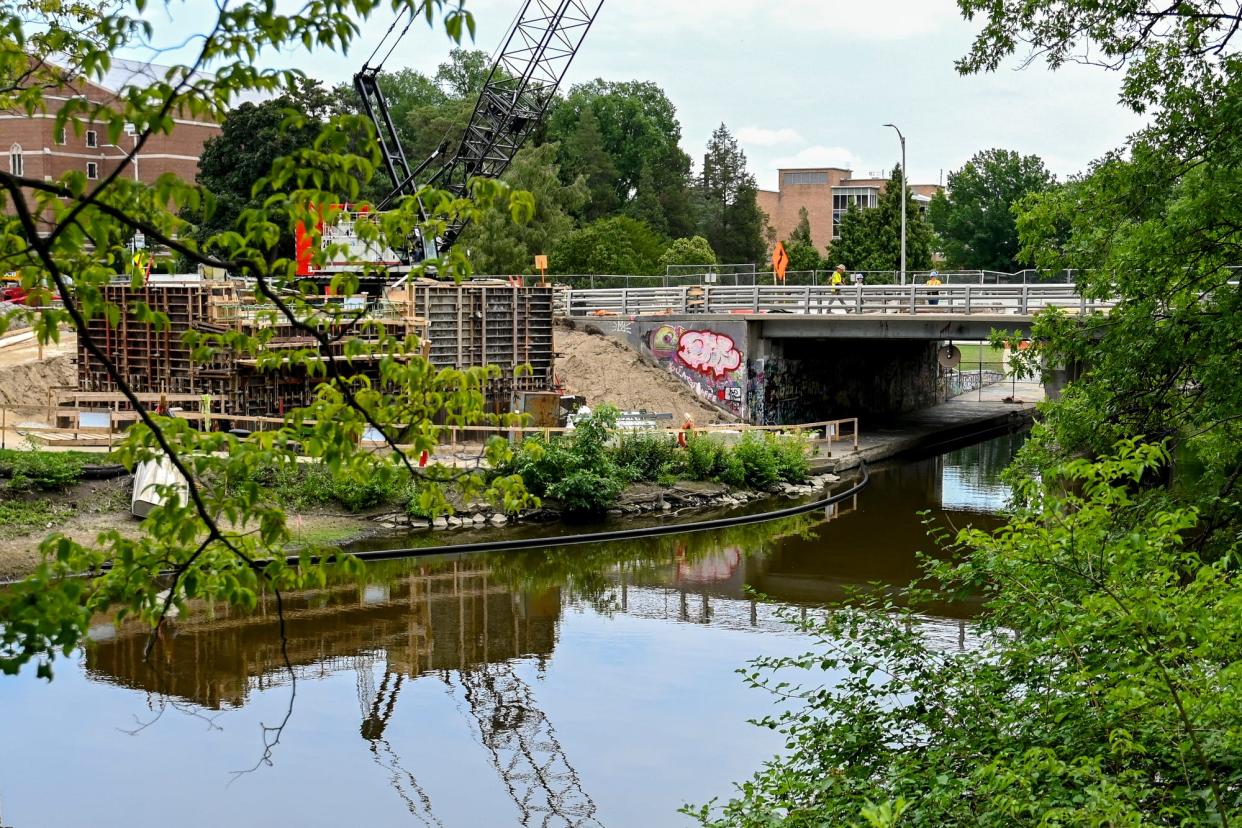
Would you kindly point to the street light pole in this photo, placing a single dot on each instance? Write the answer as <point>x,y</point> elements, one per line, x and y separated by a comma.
<point>902,138</point>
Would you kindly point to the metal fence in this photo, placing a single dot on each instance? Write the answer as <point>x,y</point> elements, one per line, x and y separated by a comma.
<point>748,276</point>
<point>1023,299</point>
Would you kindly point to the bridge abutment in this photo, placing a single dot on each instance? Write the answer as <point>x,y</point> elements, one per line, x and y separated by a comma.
<point>805,380</point>
<point>738,367</point>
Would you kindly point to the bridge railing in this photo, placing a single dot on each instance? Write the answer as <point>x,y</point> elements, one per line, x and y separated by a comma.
<point>1021,300</point>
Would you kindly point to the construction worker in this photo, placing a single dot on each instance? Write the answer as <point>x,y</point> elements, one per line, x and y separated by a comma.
<point>687,428</point>
<point>838,279</point>
<point>934,281</point>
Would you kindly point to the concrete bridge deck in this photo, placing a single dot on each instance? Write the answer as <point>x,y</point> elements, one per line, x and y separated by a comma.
<point>929,312</point>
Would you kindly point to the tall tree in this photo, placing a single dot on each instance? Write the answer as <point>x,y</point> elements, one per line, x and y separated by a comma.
<point>251,137</point>
<point>583,155</point>
<point>496,245</point>
<point>976,218</point>
<point>870,238</point>
<point>640,133</point>
<point>730,217</point>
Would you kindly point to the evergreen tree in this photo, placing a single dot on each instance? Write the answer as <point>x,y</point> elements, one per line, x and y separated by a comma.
<point>730,217</point>
<point>870,238</point>
<point>498,245</point>
<point>582,155</point>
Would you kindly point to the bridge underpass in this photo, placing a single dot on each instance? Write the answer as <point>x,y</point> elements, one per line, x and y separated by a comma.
<point>773,355</point>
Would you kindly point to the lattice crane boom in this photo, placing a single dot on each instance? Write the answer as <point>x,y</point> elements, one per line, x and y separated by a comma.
<point>522,83</point>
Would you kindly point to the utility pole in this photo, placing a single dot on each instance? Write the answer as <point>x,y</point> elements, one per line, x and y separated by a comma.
<point>902,138</point>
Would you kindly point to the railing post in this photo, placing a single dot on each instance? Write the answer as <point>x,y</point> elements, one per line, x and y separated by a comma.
<point>913,299</point>
<point>858,298</point>
<point>625,301</point>
<point>806,300</point>
<point>1026,299</point>
<point>685,300</point>
<point>967,288</point>
<point>755,290</point>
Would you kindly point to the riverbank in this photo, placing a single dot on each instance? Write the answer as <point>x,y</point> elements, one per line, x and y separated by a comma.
<point>86,509</point>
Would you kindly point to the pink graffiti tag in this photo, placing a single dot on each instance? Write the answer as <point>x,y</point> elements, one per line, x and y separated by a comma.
<point>709,352</point>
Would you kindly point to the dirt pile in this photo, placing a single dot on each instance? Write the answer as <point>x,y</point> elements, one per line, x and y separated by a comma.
<point>26,381</point>
<point>605,371</point>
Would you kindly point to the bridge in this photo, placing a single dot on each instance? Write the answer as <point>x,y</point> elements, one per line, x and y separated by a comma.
<point>772,354</point>
<point>940,312</point>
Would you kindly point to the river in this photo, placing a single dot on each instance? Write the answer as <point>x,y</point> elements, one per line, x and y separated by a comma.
<point>590,685</point>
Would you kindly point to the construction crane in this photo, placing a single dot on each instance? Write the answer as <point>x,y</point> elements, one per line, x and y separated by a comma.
<point>377,706</point>
<point>534,56</point>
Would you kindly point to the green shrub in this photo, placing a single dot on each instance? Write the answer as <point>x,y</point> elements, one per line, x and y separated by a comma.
<point>732,470</point>
<point>300,485</point>
<point>649,457</point>
<point>758,461</point>
<point>584,491</point>
<point>43,470</point>
<point>580,470</point>
<point>705,457</point>
<point>790,455</point>
<point>540,463</point>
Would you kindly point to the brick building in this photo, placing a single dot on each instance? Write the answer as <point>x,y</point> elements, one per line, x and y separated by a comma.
<point>826,193</point>
<point>35,148</point>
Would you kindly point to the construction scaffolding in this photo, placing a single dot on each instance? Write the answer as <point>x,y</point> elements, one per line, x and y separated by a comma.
<point>462,326</point>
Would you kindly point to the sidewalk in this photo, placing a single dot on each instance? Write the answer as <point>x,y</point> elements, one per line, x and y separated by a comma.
<point>960,417</point>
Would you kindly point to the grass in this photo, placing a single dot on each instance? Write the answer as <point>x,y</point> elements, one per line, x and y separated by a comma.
<point>993,358</point>
<point>20,517</point>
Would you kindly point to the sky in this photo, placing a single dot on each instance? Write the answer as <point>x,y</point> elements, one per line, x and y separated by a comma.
<point>802,82</point>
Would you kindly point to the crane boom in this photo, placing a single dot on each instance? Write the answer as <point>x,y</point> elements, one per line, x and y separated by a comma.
<point>520,87</point>
<point>521,84</point>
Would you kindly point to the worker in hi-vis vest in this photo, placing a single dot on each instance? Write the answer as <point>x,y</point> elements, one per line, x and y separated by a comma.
<point>838,279</point>
<point>934,281</point>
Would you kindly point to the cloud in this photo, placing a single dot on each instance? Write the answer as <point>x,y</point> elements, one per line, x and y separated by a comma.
<point>818,156</point>
<point>874,20</point>
<point>762,137</point>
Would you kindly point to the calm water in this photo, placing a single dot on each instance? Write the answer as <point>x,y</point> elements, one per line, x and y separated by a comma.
<point>583,686</point>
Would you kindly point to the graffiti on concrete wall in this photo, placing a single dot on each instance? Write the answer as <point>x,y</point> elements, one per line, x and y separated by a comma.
<point>710,352</point>
<point>710,361</point>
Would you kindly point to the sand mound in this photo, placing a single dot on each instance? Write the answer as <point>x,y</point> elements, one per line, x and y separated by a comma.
<point>26,381</point>
<point>605,371</point>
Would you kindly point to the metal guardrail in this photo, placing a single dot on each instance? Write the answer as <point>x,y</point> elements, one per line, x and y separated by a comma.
<point>1020,300</point>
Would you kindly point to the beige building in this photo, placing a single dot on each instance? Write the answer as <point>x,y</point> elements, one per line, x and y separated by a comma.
<point>35,148</point>
<point>826,193</point>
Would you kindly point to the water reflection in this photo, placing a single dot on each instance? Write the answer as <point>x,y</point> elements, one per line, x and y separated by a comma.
<point>592,685</point>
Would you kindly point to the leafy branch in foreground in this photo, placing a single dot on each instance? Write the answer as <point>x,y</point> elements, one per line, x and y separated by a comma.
<point>69,238</point>
<point>1104,686</point>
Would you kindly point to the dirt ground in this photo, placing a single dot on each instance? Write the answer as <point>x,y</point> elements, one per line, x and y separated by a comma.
<point>603,370</point>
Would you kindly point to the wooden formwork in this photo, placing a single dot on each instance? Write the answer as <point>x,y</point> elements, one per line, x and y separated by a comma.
<point>479,324</point>
<point>464,326</point>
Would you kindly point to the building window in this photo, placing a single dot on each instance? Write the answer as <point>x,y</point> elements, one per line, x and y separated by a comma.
<point>17,164</point>
<point>92,170</point>
<point>62,136</point>
<point>92,138</point>
<point>806,178</point>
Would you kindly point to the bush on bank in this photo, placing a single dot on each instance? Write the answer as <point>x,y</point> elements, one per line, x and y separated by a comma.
<point>587,470</point>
